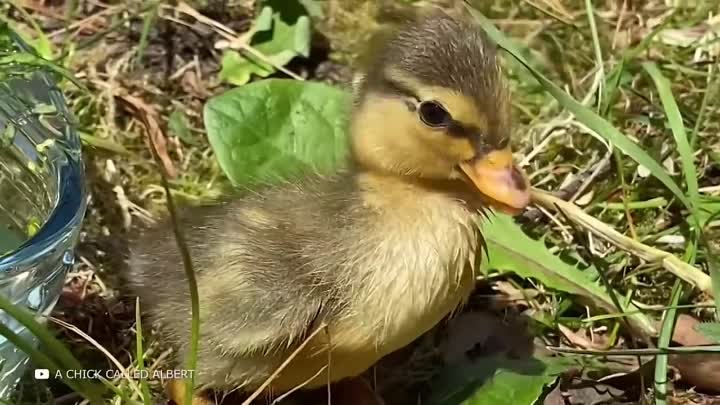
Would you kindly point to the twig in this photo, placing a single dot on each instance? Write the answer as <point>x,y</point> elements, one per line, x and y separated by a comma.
<point>102,349</point>
<point>596,172</point>
<point>650,254</point>
<point>592,174</point>
<point>68,399</point>
<point>640,352</point>
<point>299,387</point>
<point>84,21</point>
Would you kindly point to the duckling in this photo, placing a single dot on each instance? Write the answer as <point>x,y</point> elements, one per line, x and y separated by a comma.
<point>375,254</point>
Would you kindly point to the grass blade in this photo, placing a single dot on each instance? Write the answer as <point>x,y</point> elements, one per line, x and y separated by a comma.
<point>60,357</point>
<point>38,358</point>
<point>148,21</point>
<point>140,354</point>
<point>586,116</point>
<point>713,84</point>
<point>597,49</point>
<point>687,157</point>
<point>60,353</point>
<point>678,129</point>
<point>666,332</point>
<point>192,358</point>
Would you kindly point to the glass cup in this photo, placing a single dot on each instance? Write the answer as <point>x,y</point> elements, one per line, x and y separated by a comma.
<point>42,196</point>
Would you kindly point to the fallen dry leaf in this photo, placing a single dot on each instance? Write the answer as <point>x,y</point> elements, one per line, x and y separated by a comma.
<point>578,339</point>
<point>193,85</point>
<point>685,332</point>
<point>584,393</point>
<point>149,117</point>
<point>701,370</point>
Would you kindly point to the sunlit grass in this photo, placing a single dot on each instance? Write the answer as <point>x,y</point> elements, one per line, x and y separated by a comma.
<point>640,97</point>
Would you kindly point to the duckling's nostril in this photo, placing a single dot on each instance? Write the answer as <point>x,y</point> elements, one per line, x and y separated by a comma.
<point>518,179</point>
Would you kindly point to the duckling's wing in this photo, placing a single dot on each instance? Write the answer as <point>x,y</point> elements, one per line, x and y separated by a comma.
<point>257,293</point>
<point>260,316</point>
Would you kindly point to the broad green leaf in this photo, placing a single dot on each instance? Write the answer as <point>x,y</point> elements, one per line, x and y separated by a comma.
<point>274,128</point>
<point>711,330</point>
<point>497,380</point>
<point>583,114</point>
<point>281,32</point>
<point>511,250</point>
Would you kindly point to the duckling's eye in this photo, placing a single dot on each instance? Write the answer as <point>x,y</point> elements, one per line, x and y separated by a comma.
<point>433,114</point>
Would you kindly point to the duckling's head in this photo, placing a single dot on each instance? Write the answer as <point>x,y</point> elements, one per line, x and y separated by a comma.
<point>433,105</point>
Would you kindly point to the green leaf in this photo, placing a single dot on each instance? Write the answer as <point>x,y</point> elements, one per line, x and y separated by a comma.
<point>708,210</point>
<point>237,69</point>
<point>178,126</point>
<point>290,34</point>
<point>263,22</point>
<point>314,9</point>
<point>497,380</point>
<point>711,330</point>
<point>274,128</point>
<point>281,32</point>
<point>583,114</point>
<point>511,250</point>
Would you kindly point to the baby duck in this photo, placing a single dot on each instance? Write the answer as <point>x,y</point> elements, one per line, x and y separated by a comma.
<point>376,254</point>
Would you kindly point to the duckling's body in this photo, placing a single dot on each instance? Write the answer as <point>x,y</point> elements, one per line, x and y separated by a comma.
<point>378,253</point>
<point>379,267</point>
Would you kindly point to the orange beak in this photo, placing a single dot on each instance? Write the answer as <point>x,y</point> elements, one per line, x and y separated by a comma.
<point>504,186</point>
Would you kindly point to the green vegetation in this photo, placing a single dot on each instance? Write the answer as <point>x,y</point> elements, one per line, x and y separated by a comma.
<point>616,111</point>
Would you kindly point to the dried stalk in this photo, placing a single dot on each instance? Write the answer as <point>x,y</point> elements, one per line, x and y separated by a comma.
<point>650,254</point>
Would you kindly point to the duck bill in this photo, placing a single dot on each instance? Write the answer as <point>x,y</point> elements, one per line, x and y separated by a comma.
<point>502,185</point>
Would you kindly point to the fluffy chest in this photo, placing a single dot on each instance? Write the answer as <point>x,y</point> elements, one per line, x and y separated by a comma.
<point>418,271</point>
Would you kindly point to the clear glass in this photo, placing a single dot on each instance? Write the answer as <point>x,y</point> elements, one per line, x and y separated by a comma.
<point>42,196</point>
